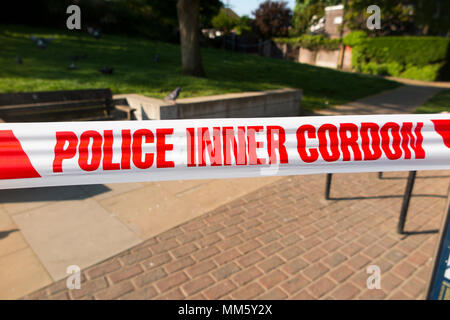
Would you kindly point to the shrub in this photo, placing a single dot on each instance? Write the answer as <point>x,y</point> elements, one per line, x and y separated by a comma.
<point>311,42</point>
<point>426,73</point>
<point>224,22</point>
<point>421,58</point>
<point>353,38</point>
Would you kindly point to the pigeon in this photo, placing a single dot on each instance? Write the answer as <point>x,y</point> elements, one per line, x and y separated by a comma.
<point>72,66</point>
<point>41,43</point>
<point>19,60</point>
<point>106,70</point>
<point>156,58</point>
<point>174,95</point>
<point>94,32</point>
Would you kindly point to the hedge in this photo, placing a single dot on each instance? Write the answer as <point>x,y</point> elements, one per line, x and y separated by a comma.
<point>311,42</point>
<point>422,58</point>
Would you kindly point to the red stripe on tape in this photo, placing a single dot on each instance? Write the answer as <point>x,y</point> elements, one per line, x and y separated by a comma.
<point>14,162</point>
<point>443,128</point>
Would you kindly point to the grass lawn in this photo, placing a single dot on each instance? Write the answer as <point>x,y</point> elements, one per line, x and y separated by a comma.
<point>135,71</point>
<point>438,103</point>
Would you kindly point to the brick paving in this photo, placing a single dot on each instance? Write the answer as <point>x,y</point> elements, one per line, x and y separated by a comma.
<point>284,241</point>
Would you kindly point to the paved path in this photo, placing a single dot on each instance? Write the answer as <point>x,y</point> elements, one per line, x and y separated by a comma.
<point>404,99</point>
<point>45,230</point>
<point>284,241</point>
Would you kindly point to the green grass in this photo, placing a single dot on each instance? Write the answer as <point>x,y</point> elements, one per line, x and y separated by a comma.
<point>438,103</point>
<point>135,71</point>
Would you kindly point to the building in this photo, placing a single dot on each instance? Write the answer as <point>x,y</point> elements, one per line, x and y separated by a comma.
<point>330,24</point>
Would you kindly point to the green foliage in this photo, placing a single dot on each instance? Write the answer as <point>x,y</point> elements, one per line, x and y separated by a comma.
<point>135,71</point>
<point>311,42</point>
<point>396,16</point>
<point>401,17</point>
<point>433,16</point>
<point>155,19</point>
<point>440,102</point>
<point>411,57</point>
<point>426,73</point>
<point>304,17</point>
<point>308,12</point>
<point>244,25</point>
<point>224,22</point>
<point>354,38</point>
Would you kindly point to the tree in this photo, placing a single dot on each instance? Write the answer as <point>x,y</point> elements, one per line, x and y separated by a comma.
<point>191,60</point>
<point>308,12</point>
<point>400,17</point>
<point>224,22</point>
<point>272,19</point>
<point>396,17</point>
<point>432,16</point>
<point>244,25</point>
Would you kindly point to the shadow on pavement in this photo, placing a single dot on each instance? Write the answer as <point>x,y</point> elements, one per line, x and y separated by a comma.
<point>49,194</point>
<point>4,234</point>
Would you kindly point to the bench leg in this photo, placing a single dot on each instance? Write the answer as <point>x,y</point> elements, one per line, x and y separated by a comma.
<point>405,204</point>
<point>380,175</point>
<point>328,186</point>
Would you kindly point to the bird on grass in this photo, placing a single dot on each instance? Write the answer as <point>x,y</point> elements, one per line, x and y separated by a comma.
<point>41,43</point>
<point>106,70</point>
<point>19,60</point>
<point>173,95</point>
<point>94,32</point>
<point>72,66</point>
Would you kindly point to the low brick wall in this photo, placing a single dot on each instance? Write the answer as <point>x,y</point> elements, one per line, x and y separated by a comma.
<point>272,103</point>
<point>327,58</point>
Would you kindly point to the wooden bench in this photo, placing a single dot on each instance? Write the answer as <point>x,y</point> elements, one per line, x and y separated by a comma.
<point>71,105</point>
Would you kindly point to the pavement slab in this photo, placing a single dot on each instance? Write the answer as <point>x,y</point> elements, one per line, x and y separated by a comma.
<point>75,232</point>
<point>285,241</point>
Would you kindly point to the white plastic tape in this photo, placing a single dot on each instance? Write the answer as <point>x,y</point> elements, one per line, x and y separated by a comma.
<point>69,153</point>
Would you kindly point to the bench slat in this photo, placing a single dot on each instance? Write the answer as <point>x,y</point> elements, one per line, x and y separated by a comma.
<point>53,96</point>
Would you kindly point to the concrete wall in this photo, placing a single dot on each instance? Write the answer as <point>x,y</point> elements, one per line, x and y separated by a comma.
<point>272,103</point>
<point>327,58</point>
<point>307,56</point>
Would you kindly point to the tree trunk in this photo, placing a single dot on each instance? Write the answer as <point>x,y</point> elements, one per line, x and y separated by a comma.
<point>191,59</point>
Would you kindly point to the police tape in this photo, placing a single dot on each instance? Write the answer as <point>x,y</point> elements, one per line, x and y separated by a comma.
<point>70,153</point>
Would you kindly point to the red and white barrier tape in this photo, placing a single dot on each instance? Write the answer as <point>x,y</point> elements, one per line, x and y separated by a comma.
<point>70,153</point>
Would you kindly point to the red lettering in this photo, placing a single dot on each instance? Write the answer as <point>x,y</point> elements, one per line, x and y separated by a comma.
<point>385,140</point>
<point>108,152</point>
<point>67,153</point>
<point>273,144</point>
<point>301,143</point>
<point>137,148</point>
<point>83,150</point>
<point>323,142</point>
<point>204,142</point>
<point>190,136</point>
<point>162,147</point>
<point>126,149</point>
<point>349,141</point>
<point>366,141</point>
<point>253,145</point>
<point>416,144</point>
<point>229,143</point>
